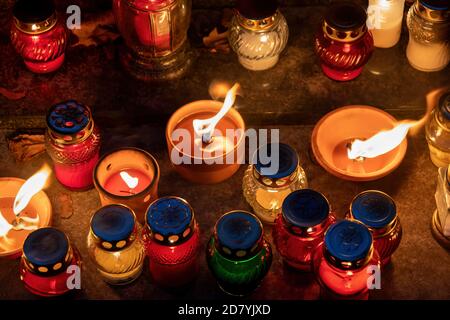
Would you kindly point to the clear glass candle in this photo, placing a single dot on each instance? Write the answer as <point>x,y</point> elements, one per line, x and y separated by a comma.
<point>429,35</point>
<point>343,43</point>
<point>115,244</point>
<point>266,192</point>
<point>378,212</point>
<point>341,263</point>
<point>172,242</point>
<point>301,227</point>
<point>258,33</point>
<point>437,132</point>
<point>385,21</point>
<point>47,255</point>
<point>155,35</point>
<point>38,35</point>
<point>238,255</point>
<point>441,217</point>
<point>128,176</point>
<point>73,142</point>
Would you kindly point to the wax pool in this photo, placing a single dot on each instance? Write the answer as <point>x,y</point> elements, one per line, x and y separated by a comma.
<point>117,186</point>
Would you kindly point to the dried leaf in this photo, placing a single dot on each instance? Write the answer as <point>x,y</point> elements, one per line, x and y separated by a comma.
<point>24,147</point>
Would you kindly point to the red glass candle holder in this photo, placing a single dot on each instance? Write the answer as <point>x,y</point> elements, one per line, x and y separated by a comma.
<point>345,260</point>
<point>73,142</point>
<point>47,255</point>
<point>38,35</point>
<point>301,226</point>
<point>172,242</point>
<point>343,43</point>
<point>377,211</point>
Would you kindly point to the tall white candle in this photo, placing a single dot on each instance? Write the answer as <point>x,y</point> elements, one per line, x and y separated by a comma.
<point>385,21</point>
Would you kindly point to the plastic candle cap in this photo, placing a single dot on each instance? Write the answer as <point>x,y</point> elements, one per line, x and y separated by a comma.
<point>444,103</point>
<point>348,241</point>
<point>436,4</point>
<point>374,208</point>
<point>305,208</point>
<point>345,16</point>
<point>30,11</point>
<point>169,219</point>
<point>287,160</point>
<point>257,9</point>
<point>46,247</point>
<point>113,223</point>
<point>68,117</point>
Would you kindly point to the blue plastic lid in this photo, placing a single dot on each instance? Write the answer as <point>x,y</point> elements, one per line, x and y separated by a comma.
<point>444,104</point>
<point>169,216</point>
<point>113,223</point>
<point>436,4</point>
<point>287,160</point>
<point>46,246</point>
<point>68,117</point>
<point>373,208</point>
<point>238,230</point>
<point>305,208</point>
<point>348,240</point>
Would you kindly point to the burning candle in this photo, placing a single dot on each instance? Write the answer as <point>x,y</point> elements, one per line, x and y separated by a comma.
<point>172,242</point>
<point>385,19</point>
<point>205,140</point>
<point>38,35</point>
<point>47,255</point>
<point>24,207</point>
<point>73,142</point>
<point>127,176</point>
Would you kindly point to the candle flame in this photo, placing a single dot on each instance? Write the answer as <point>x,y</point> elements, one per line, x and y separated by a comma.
<point>32,186</point>
<point>5,226</point>
<point>131,182</point>
<point>205,127</point>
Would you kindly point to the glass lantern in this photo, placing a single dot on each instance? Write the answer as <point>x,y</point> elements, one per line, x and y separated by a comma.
<point>343,43</point>
<point>440,222</point>
<point>115,244</point>
<point>266,192</point>
<point>258,33</point>
<point>39,35</point>
<point>155,36</point>
<point>428,22</point>
<point>437,132</point>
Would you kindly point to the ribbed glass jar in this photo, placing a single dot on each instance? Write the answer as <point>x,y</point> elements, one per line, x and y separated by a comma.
<point>437,132</point>
<point>115,244</point>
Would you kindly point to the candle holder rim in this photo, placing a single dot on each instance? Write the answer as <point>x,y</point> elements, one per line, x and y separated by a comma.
<point>352,176</point>
<point>131,196</point>
<point>219,105</point>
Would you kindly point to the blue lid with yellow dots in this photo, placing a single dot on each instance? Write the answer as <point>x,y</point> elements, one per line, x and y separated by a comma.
<point>68,117</point>
<point>373,208</point>
<point>305,208</point>
<point>46,247</point>
<point>284,162</point>
<point>348,241</point>
<point>113,223</point>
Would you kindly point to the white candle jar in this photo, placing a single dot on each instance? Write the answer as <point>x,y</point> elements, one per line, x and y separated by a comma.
<point>258,34</point>
<point>429,32</point>
<point>385,21</point>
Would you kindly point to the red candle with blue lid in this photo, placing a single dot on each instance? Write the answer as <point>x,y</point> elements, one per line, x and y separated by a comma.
<point>73,143</point>
<point>47,255</point>
<point>345,260</point>
<point>172,242</point>
<point>378,212</point>
<point>301,226</point>
<point>38,35</point>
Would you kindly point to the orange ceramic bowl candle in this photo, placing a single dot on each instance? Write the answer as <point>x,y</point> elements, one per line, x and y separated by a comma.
<point>340,127</point>
<point>127,176</point>
<point>39,206</point>
<point>210,165</point>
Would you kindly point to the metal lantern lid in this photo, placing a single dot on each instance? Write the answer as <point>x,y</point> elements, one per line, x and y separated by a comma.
<point>170,220</point>
<point>287,164</point>
<point>238,234</point>
<point>444,105</point>
<point>304,208</point>
<point>257,9</point>
<point>46,251</point>
<point>113,226</point>
<point>374,208</point>
<point>348,244</point>
<point>436,4</point>
<point>69,122</point>
<point>34,16</point>
<point>434,10</point>
<point>345,21</point>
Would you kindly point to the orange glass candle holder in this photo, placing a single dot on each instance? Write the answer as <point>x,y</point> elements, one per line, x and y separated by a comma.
<point>38,208</point>
<point>127,176</point>
<point>213,168</point>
